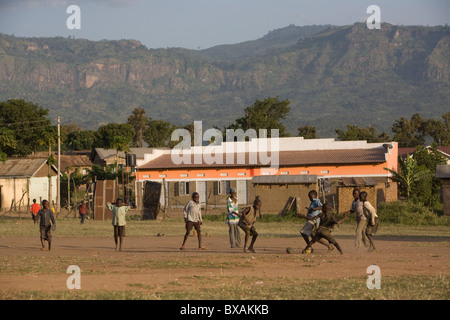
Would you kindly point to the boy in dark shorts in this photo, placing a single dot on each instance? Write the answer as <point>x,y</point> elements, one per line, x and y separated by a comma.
<point>46,223</point>
<point>247,224</point>
<point>327,222</point>
<point>192,214</point>
<point>312,225</point>
<point>119,212</point>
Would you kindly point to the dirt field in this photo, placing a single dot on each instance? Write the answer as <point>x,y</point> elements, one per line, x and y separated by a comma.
<point>156,264</point>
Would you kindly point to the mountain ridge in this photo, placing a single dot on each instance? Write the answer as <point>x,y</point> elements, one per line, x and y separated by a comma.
<point>328,76</point>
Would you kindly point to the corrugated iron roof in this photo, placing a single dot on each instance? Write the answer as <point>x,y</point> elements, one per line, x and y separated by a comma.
<point>359,181</point>
<point>21,167</point>
<point>74,161</point>
<point>285,159</point>
<point>443,171</point>
<point>139,152</point>
<point>284,179</point>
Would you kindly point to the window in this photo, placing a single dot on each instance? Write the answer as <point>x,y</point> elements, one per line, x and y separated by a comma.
<point>305,172</point>
<point>181,188</point>
<point>224,174</point>
<point>184,175</point>
<point>325,171</point>
<point>200,174</point>
<point>242,174</point>
<point>163,175</point>
<point>284,172</point>
<point>221,187</point>
<point>146,176</point>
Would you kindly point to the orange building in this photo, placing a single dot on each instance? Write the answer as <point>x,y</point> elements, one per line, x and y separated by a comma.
<point>297,165</point>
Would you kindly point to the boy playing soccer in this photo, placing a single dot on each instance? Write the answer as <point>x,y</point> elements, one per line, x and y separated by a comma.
<point>246,223</point>
<point>327,222</point>
<point>311,225</point>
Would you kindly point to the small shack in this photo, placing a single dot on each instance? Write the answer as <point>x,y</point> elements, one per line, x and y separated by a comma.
<point>346,187</point>
<point>284,192</point>
<point>22,180</point>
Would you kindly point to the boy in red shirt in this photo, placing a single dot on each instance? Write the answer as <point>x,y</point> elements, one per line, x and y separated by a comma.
<point>34,210</point>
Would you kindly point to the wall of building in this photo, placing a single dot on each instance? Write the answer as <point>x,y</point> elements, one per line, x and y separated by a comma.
<point>446,196</point>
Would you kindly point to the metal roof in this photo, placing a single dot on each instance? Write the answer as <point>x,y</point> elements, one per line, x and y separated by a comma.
<point>359,181</point>
<point>21,167</point>
<point>443,171</point>
<point>284,179</point>
<point>285,159</point>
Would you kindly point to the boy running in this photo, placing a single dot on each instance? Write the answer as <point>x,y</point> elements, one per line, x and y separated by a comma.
<point>327,222</point>
<point>311,225</point>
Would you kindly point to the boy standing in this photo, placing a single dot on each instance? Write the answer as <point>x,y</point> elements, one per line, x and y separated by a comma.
<point>34,210</point>
<point>193,219</point>
<point>82,211</point>
<point>247,224</point>
<point>233,217</point>
<point>372,219</point>
<point>119,212</point>
<point>357,208</point>
<point>46,223</point>
<point>312,224</point>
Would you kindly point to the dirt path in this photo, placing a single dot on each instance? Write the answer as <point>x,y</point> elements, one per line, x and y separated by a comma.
<point>156,261</point>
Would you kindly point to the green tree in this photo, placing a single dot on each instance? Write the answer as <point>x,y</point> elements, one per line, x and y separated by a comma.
<point>266,114</point>
<point>427,190</point>
<point>410,133</point>
<point>25,120</point>
<point>439,130</point>
<point>80,140</point>
<point>157,133</point>
<point>307,132</point>
<point>97,172</point>
<point>105,134</point>
<point>138,121</point>
<point>354,132</point>
<point>7,140</point>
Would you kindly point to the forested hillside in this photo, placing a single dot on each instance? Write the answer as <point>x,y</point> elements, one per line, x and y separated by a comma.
<point>333,76</point>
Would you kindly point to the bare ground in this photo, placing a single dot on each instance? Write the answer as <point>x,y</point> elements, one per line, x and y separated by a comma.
<point>154,262</point>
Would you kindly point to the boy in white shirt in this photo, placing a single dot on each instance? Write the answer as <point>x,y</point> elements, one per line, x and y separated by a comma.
<point>372,219</point>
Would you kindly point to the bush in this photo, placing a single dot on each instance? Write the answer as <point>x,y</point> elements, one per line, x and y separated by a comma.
<point>410,213</point>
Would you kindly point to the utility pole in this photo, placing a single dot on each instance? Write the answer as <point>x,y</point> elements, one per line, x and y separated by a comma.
<point>58,180</point>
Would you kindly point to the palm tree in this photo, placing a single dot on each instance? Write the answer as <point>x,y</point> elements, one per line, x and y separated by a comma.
<point>408,174</point>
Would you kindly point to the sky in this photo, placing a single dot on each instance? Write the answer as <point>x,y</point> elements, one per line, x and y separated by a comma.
<point>200,24</point>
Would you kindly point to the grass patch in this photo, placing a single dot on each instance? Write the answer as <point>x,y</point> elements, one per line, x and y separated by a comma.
<point>281,288</point>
